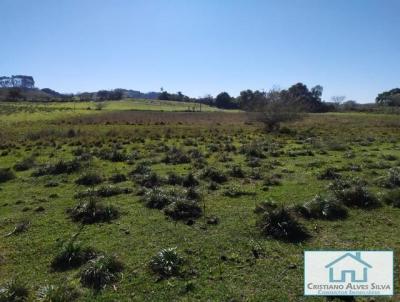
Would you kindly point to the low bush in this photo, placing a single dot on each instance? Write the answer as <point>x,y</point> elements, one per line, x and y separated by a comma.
<point>329,173</point>
<point>60,167</point>
<point>265,206</point>
<point>14,291</point>
<point>141,168</point>
<point>174,179</point>
<point>251,150</point>
<point>25,164</point>
<point>103,191</point>
<point>158,198</point>
<point>353,193</point>
<point>101,271</point>
<point>323,208</point>
<point>89,179</point>
<point>280,224</point>
<point>113,155</point>
<point>236,191</point>
<point>392,179</point>
<point>60,293</point>
<point>183,209</point>
<point>176,156</point>
<point>117,178</point>
<point>93,211</point>
<point>6,174</point>
<point>214,175</point>
<point>166,263</point>
<point>392,198</point>
<point>237,171</point>
<point>149,180</point>
<point>190,180</point>
<point>71,255</point>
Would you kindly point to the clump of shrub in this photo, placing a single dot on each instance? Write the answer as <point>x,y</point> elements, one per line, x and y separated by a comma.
<point>189,180</point>
<point>264,206</point>
<point>353,193</point>
<point>158,198</point>
<point>174,179</point>
<point>103,191</point>
<point>59,293</point>
<point>272,180</point>
<point>71,255</point>
<point>166,263</point>
<point>329,173</point>
<point>295,153</point>
<point>214,175</point>
<point>89,179</point>
<point>323,208</point>
<point>237,171</point>
<point>113,155</point>
<point>6,174</point>
<point>280,224</point>
<point>117,178</point>
<point>14,291</point>
<point>25,164</point>
<point>149,180</point>
<point>141,168</point>
<point>176,156</point>
<point>101,271</point>
<point>236,191</point>
<point>392,179</point>
<point>182,209</point>
<point>253,149</point>
<point>59,167</point>
<point>392,198</point>
<point>93,211</point>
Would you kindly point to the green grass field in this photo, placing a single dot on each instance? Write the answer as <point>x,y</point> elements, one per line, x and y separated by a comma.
<point>40,111</point>
<point>235,166</point>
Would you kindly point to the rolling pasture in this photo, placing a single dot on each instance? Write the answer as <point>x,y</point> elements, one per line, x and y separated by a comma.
<point>121,204</point>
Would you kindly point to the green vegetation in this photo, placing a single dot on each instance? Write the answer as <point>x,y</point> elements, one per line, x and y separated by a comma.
<point>91,201</point>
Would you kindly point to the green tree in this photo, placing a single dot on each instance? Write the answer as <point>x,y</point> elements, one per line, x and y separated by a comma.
<point>225,101</point>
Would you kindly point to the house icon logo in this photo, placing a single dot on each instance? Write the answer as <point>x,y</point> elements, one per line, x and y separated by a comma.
<point>348,268</point>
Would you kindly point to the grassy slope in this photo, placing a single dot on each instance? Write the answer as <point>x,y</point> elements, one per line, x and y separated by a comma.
<point>27,111</point>
<point>241,277</point>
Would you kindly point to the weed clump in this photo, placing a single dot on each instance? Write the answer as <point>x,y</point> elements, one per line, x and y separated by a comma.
<point>214,175</point>
<point>14,291</point>
<point>280,224</point>
<point>237,171</point>
<point>92,211</point>
<point>59,167</point>
<point>6,174</point>
<point>60,293</point>
<point>329,173</point>
<point>89,179</point>
<point>158,198</point>
<point>323,208</point>
<point>176,156</point>
<point>392,179</point>
<point>392,198</point>
<point>71,255</point>
<point>117,178</point>
<point>25,164</point>
<point>103,191</point>
<point>166,263</point>
<point>236,191</point>
<point>101,271</point>
<point>353,193</point>
<point>183,209</point>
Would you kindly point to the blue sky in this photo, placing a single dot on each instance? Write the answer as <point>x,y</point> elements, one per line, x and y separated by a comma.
<point>350,47</point>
